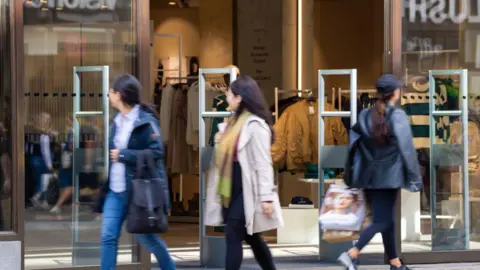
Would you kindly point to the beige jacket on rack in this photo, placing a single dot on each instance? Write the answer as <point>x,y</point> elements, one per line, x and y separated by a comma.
<point>257,180</point>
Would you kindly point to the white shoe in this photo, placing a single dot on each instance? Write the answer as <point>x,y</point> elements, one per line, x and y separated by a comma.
<point>35,200</point>
<point>44,205</point>
<point>55,210</point>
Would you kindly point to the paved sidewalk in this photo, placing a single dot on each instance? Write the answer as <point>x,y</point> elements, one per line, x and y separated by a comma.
<point>318,266</point>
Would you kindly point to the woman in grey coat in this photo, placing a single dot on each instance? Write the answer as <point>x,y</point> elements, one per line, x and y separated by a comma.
<point>384,161</point>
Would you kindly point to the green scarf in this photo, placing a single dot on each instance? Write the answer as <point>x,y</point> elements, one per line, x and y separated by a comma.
<point>224,156</point>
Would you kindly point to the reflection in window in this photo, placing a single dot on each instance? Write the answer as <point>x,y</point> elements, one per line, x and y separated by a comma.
<point>63,175</point>
<point>6,214</point>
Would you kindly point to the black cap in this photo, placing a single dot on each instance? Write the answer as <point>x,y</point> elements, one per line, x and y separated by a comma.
<point>388,83</point>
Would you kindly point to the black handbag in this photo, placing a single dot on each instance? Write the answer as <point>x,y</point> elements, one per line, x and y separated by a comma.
<point>147,212</point>
<point>52,194</point>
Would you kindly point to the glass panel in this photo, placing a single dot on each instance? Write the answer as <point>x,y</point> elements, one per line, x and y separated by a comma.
<point>6,213</point>
<point>435,218</point>
<point>59,35</point>
<point>447,40</point>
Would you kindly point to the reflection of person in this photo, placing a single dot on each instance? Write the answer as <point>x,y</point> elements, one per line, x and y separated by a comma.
<point>134,128</point>
<point>66,171</point>
<point>238,183</point>
<point>384,134</point>
<point>88,175</point>
<point>41,158</point>
<point>194,68</point>
<point>5,167</point>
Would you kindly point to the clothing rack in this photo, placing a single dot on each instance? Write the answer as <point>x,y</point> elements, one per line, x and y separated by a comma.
<point>180,78</point>
<point>341,92</point>
<point>167,79</point>
<point>176,36</point>
<point>299,92</point>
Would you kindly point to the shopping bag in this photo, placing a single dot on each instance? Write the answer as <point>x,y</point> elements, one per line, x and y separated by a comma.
<point>343,209</point>
<point>339,236</point>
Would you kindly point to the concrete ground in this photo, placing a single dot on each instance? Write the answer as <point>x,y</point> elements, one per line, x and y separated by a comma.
<point>319,266</point>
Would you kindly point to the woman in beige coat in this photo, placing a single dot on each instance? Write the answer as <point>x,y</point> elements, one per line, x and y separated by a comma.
<point>241,192</point>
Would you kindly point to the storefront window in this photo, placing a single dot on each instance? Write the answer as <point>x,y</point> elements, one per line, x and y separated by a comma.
<point>442,35</point>
<point>6,214</point>
<point>62,183</point>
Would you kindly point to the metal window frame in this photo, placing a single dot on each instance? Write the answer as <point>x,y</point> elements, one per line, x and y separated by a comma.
<point>208,256</point>
<point>463,113</point>
<point>78,113</point>
<point>332,250</point>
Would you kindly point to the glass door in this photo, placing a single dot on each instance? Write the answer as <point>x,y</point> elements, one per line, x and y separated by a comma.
<point>60,229</point>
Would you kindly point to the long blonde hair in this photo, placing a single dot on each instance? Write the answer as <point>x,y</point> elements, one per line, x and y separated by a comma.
<point>44,122</point>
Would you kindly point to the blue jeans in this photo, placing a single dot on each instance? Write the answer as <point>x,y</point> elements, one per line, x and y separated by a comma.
<point>39,168</point>
<point>114,212</point>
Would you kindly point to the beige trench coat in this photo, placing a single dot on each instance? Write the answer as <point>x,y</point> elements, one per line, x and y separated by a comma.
<point>257,180</point>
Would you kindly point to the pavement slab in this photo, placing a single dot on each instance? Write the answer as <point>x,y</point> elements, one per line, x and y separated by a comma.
<point>319,266</point>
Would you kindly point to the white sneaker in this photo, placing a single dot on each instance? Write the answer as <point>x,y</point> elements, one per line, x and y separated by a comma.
<point>44,205</point>
<point>55,210</point>
<point>35,200</point>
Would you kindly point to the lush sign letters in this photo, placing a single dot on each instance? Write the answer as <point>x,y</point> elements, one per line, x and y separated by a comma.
<point>439,11</point>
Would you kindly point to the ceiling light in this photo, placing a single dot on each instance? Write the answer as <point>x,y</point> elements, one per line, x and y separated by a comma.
<point>172,3</point>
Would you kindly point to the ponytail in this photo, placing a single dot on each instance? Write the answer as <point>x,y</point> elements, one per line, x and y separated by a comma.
<point>379,121</point>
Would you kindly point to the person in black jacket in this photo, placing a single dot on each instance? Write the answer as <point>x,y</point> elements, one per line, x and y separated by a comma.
<point>385,161</point>
<point>134,128</point>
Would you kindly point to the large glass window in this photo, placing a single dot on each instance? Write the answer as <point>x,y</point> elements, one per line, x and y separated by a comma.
<point>442,35</point>
<point>6,214</point>
<point>60,228</point>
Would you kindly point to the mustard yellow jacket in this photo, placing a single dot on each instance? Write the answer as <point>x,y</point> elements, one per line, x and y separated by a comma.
<point>296,141</point>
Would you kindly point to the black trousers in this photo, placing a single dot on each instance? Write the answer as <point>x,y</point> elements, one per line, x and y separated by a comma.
<point>236,233</point>
<point>382,202</point>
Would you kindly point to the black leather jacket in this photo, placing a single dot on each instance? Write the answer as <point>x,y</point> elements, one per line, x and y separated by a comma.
<point>393,166</point>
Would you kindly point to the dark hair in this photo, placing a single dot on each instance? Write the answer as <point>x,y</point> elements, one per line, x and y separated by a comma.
<point>252,99</point>
<point>194,60</point>
<point>130,91</point>
<point>380,130</point>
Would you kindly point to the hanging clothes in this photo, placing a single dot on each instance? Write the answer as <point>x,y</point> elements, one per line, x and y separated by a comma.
<point>166,111</point>
<point>415,102</point>
<point>193,111</point>
<point>283,104</point>
<point>219,104</point>
<point>296,133</point>
<point>177,159</point>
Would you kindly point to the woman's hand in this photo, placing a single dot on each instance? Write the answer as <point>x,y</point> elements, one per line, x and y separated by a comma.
<point>114,154</point>
<point>218,137</point>
<point>267,208</point>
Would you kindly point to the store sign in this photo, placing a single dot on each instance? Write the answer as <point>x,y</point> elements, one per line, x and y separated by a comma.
<point>261,42</point>
<point>72,4</point>
<point>439,11</point>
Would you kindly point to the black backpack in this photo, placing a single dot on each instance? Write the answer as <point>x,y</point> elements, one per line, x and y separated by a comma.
<point>146,212</point>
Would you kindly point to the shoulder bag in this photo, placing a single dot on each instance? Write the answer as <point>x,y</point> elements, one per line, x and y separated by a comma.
<point>146,213</point>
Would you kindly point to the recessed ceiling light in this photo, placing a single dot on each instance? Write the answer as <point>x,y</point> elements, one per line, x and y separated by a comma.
<point>172,3</point>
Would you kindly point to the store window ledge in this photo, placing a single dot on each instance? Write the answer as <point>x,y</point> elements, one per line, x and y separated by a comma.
<point>9,236</point>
